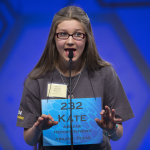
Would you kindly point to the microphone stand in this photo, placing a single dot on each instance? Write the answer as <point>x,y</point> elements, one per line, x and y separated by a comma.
<point>71,134</point>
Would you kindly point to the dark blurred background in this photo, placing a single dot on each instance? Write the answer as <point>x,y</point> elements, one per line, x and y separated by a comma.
<point>122,33</point>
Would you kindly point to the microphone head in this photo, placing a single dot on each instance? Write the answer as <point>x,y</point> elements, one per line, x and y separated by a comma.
<point>70,54</point>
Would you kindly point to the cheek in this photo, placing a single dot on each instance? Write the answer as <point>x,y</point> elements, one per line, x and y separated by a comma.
<point>59,44</point>
<point>81,45</point>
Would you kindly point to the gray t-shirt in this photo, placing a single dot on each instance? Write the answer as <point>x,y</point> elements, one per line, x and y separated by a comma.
<point>103,83</point>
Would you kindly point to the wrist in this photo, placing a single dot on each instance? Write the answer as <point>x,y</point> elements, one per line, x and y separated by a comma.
<point>36,129</point>
<point>112,132</point>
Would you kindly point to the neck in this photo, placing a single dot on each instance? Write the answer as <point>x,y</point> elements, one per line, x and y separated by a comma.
<point>76,67</point>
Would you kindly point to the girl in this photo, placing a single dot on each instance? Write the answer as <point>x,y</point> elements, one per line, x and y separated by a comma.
<point>91,77</point>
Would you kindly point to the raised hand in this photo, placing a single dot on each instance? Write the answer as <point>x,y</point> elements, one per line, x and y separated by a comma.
<point>108,120</point>
<point>45,122</point>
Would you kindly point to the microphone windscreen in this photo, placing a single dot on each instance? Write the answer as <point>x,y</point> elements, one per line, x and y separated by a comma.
<point>70,54</point>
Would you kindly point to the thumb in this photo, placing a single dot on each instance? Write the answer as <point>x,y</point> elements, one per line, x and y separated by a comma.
<point>99,122</point>
<point>54,123</point>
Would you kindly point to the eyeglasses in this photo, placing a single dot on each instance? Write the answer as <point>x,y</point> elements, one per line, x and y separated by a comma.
<point>75,36</point>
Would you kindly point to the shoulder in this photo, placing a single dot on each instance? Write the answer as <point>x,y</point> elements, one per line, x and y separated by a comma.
<point>109,74</point>
<point>105,72</point>
<point>105,76</point>
<point>31,87</point>
<point>32,84</point>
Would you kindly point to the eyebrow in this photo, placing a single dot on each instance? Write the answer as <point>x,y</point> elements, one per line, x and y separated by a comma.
<point>67,31</point>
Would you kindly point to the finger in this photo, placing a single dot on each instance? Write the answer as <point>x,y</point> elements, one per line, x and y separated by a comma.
<point>44,116</point>
<point>117,120</point>
<point>48,121</point>
<point>107,110</point>
<point>52,123</point>
<point>49,117</point>
<point>55,122</point>
<point>40,119</point>
<point>113,114</point>
<point>49,124</point>
<point>102,112</point>
<point>99,122</point>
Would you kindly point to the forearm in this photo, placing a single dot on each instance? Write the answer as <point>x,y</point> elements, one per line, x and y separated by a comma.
<point>32,135</point>
<point>116,134</point>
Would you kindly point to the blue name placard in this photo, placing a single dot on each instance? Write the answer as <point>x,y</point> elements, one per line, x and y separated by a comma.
<point>84,112</point>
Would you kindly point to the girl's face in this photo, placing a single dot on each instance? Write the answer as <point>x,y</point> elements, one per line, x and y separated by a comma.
<point>71,44</point>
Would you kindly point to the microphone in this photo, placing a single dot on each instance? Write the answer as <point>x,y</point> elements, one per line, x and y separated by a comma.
<point>71,134</point>
<point>70,55</point>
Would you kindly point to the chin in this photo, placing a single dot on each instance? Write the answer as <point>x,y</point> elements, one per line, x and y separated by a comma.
<point>74,59</point>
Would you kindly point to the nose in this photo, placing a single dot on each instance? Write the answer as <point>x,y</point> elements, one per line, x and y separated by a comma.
<point>70,40</point>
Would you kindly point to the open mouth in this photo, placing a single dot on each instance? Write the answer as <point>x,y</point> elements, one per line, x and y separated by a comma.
<point>70,49</point>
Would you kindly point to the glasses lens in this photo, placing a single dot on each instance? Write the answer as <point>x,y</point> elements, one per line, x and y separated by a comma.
<point>78,36</point>
<point>62,35</point>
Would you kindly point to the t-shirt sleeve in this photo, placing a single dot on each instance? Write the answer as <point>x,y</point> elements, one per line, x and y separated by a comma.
<point>116,97</point>
<point>29,109</point>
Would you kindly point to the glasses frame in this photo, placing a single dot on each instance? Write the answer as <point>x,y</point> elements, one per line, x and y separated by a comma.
<point>69,36</point>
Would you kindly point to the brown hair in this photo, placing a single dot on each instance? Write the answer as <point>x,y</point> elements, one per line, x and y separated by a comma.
<point>50,54</point>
